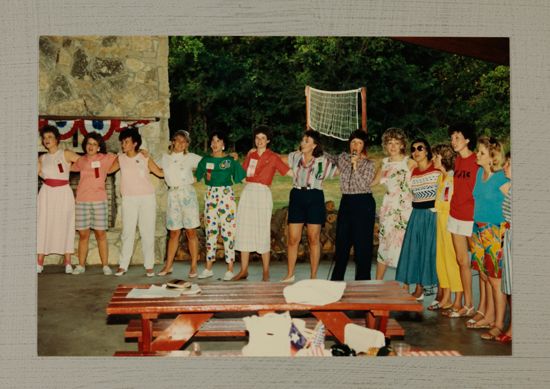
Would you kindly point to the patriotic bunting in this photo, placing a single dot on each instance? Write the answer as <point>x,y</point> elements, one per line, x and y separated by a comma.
<point>67,128</point>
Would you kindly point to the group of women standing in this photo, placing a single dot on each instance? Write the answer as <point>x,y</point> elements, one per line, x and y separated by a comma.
<point>460,205</point>
<point>440,205</point>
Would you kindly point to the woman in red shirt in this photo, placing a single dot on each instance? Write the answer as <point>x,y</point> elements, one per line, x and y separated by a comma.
<point>256,204</point>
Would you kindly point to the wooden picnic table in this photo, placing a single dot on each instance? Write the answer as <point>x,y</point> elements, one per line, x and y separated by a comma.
<point>378,297</point>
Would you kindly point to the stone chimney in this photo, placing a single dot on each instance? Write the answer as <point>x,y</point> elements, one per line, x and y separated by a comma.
<point>110,77</point>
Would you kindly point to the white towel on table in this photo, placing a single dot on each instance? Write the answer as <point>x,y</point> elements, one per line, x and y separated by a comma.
<point>314,292</point>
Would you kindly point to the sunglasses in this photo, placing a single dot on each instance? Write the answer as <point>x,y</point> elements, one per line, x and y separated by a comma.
<point>419,148</point>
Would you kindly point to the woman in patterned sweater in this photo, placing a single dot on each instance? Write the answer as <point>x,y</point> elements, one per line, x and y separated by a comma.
<point>417,259</point>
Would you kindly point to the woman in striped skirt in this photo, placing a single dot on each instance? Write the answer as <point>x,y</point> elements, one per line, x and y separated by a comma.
<point>255,207</point>
<point>507,247</point>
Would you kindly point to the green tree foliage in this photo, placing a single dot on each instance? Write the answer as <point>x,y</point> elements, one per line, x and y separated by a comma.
<point>235,83</point>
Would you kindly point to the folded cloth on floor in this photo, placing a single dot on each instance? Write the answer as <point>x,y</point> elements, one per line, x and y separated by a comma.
<point>314,292</point>
<point>361,338</point>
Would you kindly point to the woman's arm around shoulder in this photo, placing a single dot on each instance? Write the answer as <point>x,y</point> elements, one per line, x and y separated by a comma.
<point>114,166</point>
<point>70,156</point>
<point>411,164</point>
<point>154,168</point>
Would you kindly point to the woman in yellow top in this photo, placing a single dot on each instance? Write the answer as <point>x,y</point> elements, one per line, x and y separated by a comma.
<point>448,272</point>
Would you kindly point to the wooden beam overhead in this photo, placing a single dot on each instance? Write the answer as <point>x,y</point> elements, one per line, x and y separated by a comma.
<point>495,50</point>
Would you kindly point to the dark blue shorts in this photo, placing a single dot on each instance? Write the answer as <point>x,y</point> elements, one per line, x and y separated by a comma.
<point>306,206</point>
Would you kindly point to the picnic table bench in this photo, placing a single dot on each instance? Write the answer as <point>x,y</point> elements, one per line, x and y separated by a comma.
<point>195,312</point>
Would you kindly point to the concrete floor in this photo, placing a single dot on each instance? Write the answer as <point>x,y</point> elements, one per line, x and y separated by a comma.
<point>72,319</point>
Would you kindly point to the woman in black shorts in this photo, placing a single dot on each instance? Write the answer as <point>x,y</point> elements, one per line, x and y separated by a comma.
<point>307,201</point>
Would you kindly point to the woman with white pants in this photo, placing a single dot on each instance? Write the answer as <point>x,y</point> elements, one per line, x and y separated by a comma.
<point>138,201</point>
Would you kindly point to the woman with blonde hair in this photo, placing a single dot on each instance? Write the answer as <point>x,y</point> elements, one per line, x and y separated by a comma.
<point>486,243</point>
<point>396,208</point>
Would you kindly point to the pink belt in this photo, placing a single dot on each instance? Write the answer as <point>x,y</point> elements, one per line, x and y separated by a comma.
<point>54,182</point>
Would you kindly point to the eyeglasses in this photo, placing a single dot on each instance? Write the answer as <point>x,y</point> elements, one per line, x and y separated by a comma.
<point>419,148</point>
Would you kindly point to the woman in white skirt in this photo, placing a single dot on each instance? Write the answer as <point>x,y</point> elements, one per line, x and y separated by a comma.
<point>253,232</point>
<point>56,208</point>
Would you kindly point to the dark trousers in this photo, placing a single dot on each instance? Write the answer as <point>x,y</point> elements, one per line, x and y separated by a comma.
<point>355,227</point>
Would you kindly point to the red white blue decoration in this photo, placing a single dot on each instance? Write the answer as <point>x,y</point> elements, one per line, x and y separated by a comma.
<point>67,128</point>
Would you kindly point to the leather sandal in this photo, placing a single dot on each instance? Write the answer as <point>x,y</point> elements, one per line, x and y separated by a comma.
<point>492,334</point>
<point>476,326</point>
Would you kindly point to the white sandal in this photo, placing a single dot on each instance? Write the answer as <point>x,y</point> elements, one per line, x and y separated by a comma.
<point>469,312</point>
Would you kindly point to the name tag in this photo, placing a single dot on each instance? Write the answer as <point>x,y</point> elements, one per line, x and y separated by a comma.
<point>209,166</point>
<point>251,168</point>
<point>96,164</point>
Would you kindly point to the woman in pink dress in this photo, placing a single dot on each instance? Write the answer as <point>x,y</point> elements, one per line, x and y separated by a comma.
<point>396,208</point>
<point>56,209</point>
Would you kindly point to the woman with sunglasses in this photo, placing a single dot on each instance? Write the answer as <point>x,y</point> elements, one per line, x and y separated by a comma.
<point>417,259</point>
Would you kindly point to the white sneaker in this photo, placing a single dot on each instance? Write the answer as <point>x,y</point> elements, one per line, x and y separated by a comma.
<point>107,270</point>
<point>228,276</point>
<point>206,273</point>
<point>39,268</point>
<point>68,269</point>
<point>149,273</point>
<point>79,270</point>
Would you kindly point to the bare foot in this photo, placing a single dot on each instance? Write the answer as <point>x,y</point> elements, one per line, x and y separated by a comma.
<point>265,277</point>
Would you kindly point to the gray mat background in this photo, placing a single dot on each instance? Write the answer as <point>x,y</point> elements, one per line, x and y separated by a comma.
<point>526,22</point>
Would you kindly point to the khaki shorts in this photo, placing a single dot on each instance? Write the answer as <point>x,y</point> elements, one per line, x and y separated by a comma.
<point>460,227</point>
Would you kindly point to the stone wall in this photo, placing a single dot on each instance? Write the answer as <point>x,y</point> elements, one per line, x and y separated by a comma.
<point>110,77</point>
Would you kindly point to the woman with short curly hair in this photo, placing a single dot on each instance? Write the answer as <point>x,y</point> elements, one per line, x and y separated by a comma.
<point>396,208</point>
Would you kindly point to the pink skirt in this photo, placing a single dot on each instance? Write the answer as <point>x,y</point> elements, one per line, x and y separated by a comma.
<point>56,220</point>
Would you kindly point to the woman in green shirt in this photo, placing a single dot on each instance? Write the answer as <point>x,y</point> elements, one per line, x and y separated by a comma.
<point>220,172</point>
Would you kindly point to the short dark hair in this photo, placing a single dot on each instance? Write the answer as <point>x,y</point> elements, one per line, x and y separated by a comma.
<point>218,134</point>
<point>263,129</point>
<point>317,151</point>
<point>51,129</point>
<point>467,130</point>
<point>362,136</point>
<point>131,132</point>
<point>425,143</point>
<point>98,138</point>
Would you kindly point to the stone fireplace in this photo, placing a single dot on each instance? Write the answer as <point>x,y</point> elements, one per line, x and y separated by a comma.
<point>109,78</point>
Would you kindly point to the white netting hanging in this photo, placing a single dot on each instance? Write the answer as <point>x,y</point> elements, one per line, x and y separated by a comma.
<point>334,113</point>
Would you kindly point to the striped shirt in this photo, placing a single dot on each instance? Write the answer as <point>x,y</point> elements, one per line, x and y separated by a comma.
<point>507,206</point>
<point>424,186</point>
<point>310,175</point>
